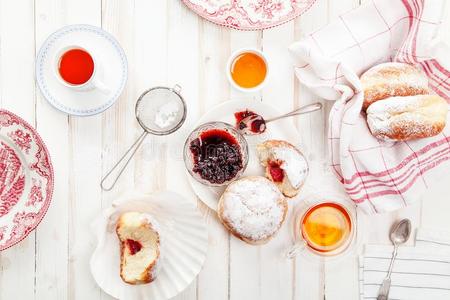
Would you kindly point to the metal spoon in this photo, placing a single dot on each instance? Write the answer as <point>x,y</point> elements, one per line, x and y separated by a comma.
<point>256,124</point>
<point>399,235</point>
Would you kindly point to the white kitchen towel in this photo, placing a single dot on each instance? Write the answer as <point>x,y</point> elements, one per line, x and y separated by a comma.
<point>439,239</point>
<point>378,176</point>
<point>419,272</point>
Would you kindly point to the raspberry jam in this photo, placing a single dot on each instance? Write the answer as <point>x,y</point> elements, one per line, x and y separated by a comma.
<point>217,156</point>
<point>256,125</point>
<point>241,115</point>
<point>134,246</point>
<point>276,172</point>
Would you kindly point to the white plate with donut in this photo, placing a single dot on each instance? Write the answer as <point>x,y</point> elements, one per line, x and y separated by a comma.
<point>183,243</point>
<point>281,130</point>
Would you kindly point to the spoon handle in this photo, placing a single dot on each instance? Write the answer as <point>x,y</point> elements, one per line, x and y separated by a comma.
<point>299,111</point>
<point>383,294</point>
<point>391,265</point>
<point>386,285</point>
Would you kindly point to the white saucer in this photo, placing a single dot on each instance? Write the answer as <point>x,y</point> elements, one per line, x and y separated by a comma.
<point>111,64</point>
<point>281,130</point>
<point>184,243</point>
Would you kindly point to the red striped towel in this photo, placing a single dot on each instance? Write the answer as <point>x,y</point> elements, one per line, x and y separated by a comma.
<point>378,176</point>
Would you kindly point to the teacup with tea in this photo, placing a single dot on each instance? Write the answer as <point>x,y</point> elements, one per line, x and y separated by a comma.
<point>324,229</point>
<point>76,68</point>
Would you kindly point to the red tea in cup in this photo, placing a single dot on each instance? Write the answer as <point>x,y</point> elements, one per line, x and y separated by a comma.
<point>76,66</point>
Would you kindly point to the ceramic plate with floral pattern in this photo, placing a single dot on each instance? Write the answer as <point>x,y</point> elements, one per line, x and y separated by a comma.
<point>249,14</point>
<point>26,179</point>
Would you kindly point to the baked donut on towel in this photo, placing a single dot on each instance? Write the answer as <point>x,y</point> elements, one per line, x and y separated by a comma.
<point>406,118</point>
<point>392,79</point>
<point>252,209</point>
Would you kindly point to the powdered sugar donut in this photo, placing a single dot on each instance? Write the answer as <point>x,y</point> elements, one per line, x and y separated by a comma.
<point>252,209</point>
<point>392,79</point>
<point>285,165</point>
<point>406,118</point>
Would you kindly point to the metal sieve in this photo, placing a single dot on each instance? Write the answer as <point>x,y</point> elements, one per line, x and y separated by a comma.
<point>159,111</point>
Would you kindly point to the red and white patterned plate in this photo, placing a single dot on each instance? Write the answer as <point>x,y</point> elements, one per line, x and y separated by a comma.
<point>26,179</point>
<point>249,14</point>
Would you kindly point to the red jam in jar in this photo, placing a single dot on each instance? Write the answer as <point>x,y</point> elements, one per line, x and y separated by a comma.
<point>217,156</point>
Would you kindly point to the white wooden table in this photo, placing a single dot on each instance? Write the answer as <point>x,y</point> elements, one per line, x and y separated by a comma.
<point>165,44</point>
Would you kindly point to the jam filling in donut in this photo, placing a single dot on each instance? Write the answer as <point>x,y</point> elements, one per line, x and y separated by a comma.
<point>275,171</point>
<point>134,246</point>
<point>217,156</point>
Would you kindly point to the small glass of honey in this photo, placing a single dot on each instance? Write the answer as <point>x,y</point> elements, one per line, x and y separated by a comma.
<point>323,228</point>
<point>247,70</point>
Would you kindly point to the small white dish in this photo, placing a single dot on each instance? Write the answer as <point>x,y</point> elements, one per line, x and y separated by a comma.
<point>232,58</point>
<point>282,130</point>
<point>110,74</point>
<point>184,243</point>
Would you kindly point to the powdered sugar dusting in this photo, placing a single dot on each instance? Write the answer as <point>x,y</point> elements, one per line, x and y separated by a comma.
<point>407,117</point>
<point>395,74</point>
<point>154,225</point>
<point>149,219</point>
<point>167,114</point>
<point>254,207</point>
<point>393,79</point>
<point>293,164</point>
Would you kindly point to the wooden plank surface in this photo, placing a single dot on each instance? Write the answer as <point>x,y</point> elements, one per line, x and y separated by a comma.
<point>166,44</point>
<point>18,94</point>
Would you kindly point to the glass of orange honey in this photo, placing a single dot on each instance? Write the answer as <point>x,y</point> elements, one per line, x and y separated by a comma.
<point>323,228</point>
<point>247,70</point>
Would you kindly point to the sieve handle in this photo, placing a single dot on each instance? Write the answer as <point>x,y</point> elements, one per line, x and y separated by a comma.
<point>126,157</point>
